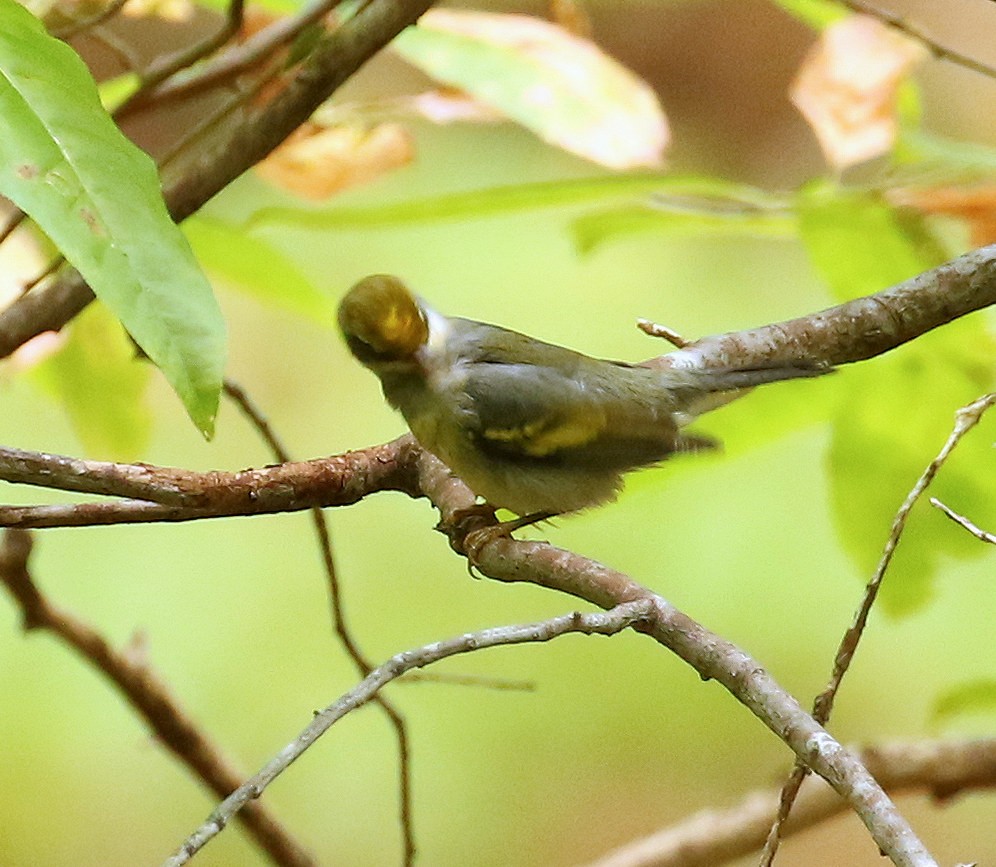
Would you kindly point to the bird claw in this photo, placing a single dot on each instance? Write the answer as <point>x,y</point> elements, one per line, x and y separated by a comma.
<point>476,539</point>
<point>470,530</point>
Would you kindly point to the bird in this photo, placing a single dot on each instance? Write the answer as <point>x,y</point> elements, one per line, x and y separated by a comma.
<point>531,427</point>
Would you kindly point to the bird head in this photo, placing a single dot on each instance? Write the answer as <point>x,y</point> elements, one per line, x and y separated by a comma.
<point>382,321</point>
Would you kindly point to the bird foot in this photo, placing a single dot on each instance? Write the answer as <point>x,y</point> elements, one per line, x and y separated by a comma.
<point>476,539</point>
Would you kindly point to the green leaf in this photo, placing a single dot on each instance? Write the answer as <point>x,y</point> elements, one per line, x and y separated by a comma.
<point>562,87</point>
<point>115,91</point>
<point>101,383</point>
<point>860,244</point>
<point>498,201</point>
<point>897,411</point>
<point>592,230</point>
<point>977,696</point>
<point>895,414</point>
<point>97,196</point>
<point>257,268</point>
<point>816,13</point>
<point>956,158</point>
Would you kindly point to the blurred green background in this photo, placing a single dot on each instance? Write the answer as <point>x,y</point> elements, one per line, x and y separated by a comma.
<point>618,738</point>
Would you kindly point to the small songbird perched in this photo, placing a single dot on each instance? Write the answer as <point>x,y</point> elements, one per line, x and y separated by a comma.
<point>531,427</point>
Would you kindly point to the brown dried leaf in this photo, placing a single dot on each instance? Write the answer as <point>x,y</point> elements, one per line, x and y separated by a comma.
<point>570,15</point>
<point>976,206</point>
<point>847,86</point>
<point>316,163</point>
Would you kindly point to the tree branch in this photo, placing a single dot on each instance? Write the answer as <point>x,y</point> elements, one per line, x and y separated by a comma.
<point>858,329</point>
<point>172,494</point>
<point>714,837</point>
<point>148,695</point>
<point>714,658</point>
<point>608,623</point>
<point>334,59</point>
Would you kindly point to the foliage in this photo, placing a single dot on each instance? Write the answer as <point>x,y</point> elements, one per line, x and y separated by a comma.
<point>97,197</point>
<point>555,241</point>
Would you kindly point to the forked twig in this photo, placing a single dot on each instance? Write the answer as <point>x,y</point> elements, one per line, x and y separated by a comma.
<point>965,419</point>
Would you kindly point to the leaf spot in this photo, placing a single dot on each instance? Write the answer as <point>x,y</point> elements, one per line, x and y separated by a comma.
<point>93,222</point>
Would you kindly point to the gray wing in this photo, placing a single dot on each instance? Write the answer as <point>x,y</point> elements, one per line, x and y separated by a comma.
<point>594,413</point>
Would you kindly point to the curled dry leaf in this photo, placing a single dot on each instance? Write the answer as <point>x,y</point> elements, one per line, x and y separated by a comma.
<point>976,206</point>
<point>562,87</point>
<point>847,88</point>
<point>316,163</point>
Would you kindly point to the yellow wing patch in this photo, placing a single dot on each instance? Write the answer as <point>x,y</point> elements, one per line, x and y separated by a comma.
<point>549,434</point>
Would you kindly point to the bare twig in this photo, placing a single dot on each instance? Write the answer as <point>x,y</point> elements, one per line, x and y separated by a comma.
<point>342,630</point>
<point>237,60</point>
<point>77,27</point>
<point>940,52</point>
<point>654,329</point>
<point>714,658</point>
<point>165,66</point>
<point>858,329</point>
<point>965,419</point>
<point>599,623</point>
<point>714,837</point>
<point>141,687</point>
<point>173,494</point>
<point>976,531</point>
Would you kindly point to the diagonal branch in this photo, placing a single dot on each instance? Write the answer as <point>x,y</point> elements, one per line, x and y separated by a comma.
<point>334,59</point>
<point>965,419</point>
<point>141,687</point>
<point>713,837</point>
<point>608,623</point>
<point>858,329</point>
<point>714,658</point>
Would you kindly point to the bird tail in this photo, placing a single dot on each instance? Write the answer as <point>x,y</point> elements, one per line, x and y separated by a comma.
<point>711,388</point>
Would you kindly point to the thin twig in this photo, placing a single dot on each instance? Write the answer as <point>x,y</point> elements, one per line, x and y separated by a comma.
<point>237,60</point>
<point>713,837</point>
<point>940,52</point>
<point>165,66</point>
<point>239,396</point>
<point>714,658</point>
<point>77,27</point>
<point>965,419</point>
<point>655,329</point>
<point>53,266</point>
<point>146,693</point>
<point>598,623</point>
<point>975,530</point>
